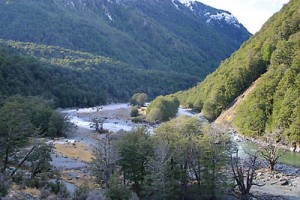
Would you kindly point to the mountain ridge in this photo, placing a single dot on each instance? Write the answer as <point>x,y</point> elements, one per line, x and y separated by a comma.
<point>109,28</point>
<point>164,47</point>
<point>271,55</point>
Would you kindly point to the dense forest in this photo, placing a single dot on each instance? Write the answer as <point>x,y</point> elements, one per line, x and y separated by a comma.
<point>186,159</point>
<point>83,53</point>
<point>143,34</point>
<point>273,55</point>
<point>71,78</point>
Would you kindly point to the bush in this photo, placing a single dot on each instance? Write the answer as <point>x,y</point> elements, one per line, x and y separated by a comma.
<point>81,192</point>
<point>138,99</point>
<point>134,112</point>
<point>163,108</point>
<point>34,183</point>
<point>18,177</point>
<point>116,190</point>
<point>136,119</point>
<point>58,188</point>
<point>45,192</point>
<point>4,184</point>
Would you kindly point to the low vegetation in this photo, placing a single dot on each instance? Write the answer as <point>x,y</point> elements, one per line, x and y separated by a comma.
<point>24,157</point>
<point>185,159</point>
<point>163,108</point>
<point>138,99</point>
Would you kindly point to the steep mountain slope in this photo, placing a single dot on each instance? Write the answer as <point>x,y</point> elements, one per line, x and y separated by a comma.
<point>273,55</point>
<point>220,20</point>
<point>73,78</point>
<point>156,35</point>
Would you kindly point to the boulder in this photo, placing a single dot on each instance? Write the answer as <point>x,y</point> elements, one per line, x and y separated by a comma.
<point>284,182</point>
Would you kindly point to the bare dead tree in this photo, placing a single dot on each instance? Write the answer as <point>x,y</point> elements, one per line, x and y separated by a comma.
<point>39,158</point>
<point>104,161</point>
<point>99,108</point>
<point>23,160</point>
<point>270,150</point>
<point>243,173</point>
<point>97,123</point>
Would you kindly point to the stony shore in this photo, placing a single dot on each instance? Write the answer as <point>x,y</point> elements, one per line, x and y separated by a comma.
<point>281,184</point>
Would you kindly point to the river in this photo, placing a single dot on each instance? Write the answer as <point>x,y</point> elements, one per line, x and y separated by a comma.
<point>289,158</point>
<point>116,123</point>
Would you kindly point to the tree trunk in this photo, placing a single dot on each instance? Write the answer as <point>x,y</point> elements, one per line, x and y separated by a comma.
<point>24,159</point>
<point>272,164</point>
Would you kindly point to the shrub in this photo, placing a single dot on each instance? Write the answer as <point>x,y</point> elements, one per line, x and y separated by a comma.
<point>4,184</point>
<point>134,111</point>
<point>137,120</point>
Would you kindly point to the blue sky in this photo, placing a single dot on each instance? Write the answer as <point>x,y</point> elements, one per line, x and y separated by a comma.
<point>251,13</point>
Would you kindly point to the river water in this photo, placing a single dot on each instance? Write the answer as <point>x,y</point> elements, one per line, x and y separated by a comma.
<point>116,125</point>
<point>247,146</point>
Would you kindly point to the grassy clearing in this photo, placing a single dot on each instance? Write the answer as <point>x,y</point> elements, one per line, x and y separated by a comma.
<point>80,180</point>
<point>77,150</point>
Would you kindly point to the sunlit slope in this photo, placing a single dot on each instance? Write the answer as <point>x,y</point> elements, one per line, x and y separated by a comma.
<point>273,55</point>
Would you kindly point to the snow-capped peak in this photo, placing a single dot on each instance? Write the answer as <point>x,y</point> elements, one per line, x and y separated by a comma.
<point>227,17</point>
<point>173,1</point>
<point>187,3</point>
<point>210,14</point>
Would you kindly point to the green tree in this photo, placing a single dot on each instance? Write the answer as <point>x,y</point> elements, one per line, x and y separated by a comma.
<point>138,99</point>
<point>116,190</point>
<point>162,182</point>
<point>58,124</point>
<point>163,108</point>
<point>135,150</point>
<point>39,159</point>
<point>15,128</point>
<point>215,146</point>
<point>37,109</point>
<point>186,152</point>
<point>41,114</point>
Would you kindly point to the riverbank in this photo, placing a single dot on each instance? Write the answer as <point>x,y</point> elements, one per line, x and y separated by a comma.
<point>72,154</point>
<point>246,145</point>
<point>283,183</point>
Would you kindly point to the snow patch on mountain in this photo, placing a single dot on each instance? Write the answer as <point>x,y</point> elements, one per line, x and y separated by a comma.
<point>228,18</point>
<point>108,15</point>
<point>69,4</point>
<point>173,1</point>
<point>188,4</point>
<point>210,14</point>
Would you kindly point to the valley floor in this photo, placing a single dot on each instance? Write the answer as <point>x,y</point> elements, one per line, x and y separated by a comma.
<point>283,183</point>
<point>72,154</point>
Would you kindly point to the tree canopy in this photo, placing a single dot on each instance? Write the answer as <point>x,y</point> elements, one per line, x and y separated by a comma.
<point>272,57</point>
<point>163,108</point>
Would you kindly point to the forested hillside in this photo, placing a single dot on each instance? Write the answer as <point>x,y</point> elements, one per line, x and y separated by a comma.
<point>164,36</point>
<point>157,35</point>
<point>273,55</point>
<point>73,78</point>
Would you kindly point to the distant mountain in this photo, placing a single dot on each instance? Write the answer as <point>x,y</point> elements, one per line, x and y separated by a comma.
<point>260,82</point>
<point>115,47</point>
<point>76,79</point>
<point>220,20</point>
<point>153,35</point>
